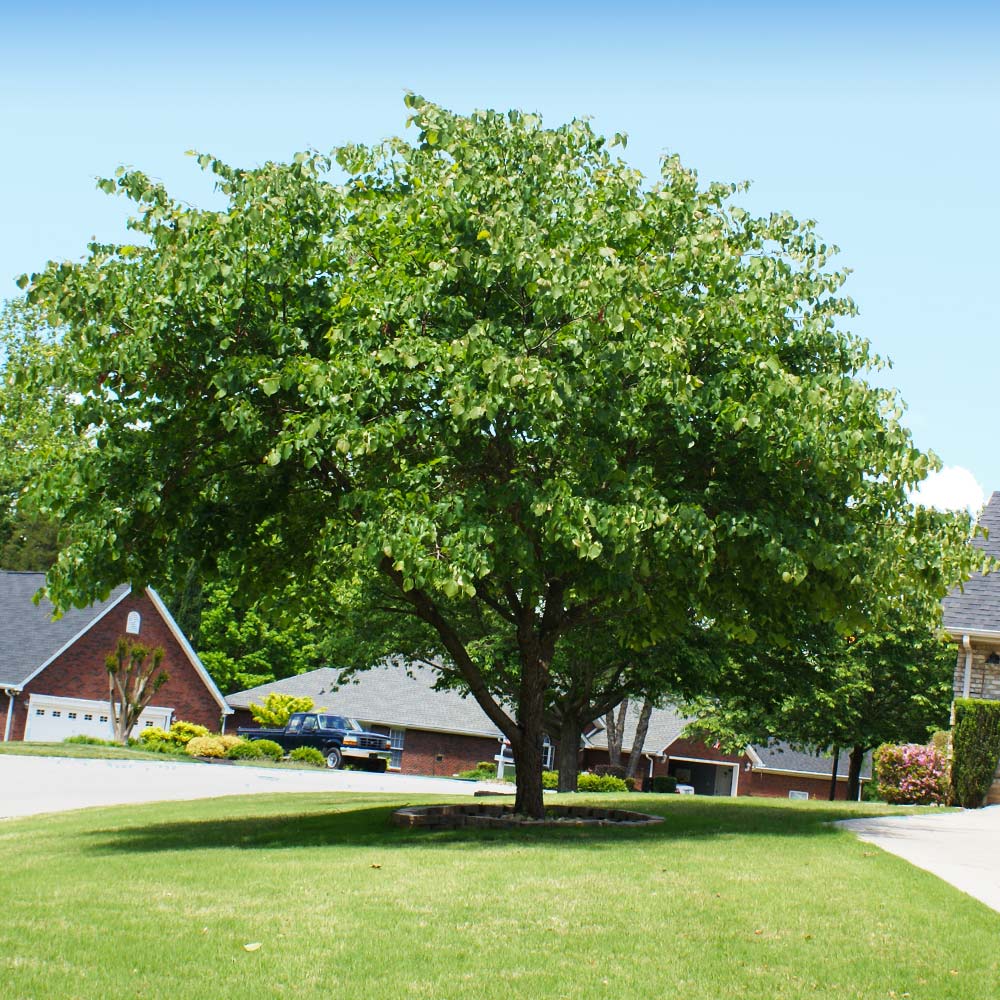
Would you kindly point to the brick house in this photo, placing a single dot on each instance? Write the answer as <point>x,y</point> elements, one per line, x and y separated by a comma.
<point>971,618</point>
<point>53,682</point>
<point>442,733</point>
<point>771,771</point>
<point>432,732</point>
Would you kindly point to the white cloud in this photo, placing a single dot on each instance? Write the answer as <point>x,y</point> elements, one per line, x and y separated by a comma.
<point>953,488</point>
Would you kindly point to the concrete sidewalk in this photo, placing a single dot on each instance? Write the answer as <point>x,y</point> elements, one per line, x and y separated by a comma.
<point>963,848</point>
<point>32,785</point>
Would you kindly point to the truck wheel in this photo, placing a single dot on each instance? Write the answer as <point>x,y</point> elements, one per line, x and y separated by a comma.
<point>333,758</point>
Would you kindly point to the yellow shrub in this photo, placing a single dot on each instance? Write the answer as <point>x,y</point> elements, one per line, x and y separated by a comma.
<point>182,732</point>
<point>154,734</point>
<point>229,741</point>
<point>206,746</point>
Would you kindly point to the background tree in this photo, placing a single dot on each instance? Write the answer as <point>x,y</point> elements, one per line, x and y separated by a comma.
<point>135,674</point>
<point>32,428</point>
<point>243,647</point>
<point>890,683</point>
<point>497,368</point>
<point>278,708</point>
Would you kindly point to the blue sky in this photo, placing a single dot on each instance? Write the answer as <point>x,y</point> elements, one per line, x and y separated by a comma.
<point>880,121</point>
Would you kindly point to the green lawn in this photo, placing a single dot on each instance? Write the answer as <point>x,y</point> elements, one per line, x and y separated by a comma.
<point>752,898</point>
<point>87,750</point>
<point>19,749</point>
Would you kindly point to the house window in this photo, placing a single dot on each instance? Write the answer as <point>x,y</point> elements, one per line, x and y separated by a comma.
<point>88,718</point>
<point>104,718</point>
<point>147,723</point>
<point>133,622</point>
<point>39,711</point>
<point>56,714</point>
<point>396,738</point>
<point>72,715</point>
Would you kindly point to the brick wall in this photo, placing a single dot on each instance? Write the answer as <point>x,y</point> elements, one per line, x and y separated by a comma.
<point>421,748</point>
<point>79,672</point>
<point>777,786</point>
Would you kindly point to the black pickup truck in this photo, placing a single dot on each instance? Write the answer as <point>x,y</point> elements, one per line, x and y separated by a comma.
<point>335,736</point>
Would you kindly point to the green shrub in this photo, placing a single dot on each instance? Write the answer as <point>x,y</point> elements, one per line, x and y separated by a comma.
<point>268,748</point>
<point>308,755</point>
<point>550,779</point>
<point>90,741</point>
<point>246,750</point>
<point>484,771</point>
<point>183,732</point>
<point>205,746</point>
<point>664,783</point>
<point>615,770</point>
<point>588,782</point>
<point>975,750</point>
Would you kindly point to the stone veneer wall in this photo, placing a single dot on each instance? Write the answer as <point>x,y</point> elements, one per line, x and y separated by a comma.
<point>984,678</point>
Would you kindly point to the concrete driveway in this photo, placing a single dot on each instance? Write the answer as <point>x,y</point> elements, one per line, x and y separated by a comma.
<point>962,848</point>
<point>31,785</point>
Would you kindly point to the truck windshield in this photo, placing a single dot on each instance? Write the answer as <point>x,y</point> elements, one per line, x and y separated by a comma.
<point>339,722</point>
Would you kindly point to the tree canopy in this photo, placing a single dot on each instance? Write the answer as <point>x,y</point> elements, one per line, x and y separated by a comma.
<point>891,682</point>
<point>499,369</point>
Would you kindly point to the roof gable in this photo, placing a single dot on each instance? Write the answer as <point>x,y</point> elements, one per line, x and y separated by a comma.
<point>393,693</point>
<point>976,607</point>
<point>29,638</point>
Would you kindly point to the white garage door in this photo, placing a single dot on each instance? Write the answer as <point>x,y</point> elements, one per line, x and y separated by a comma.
<point>51,720</point>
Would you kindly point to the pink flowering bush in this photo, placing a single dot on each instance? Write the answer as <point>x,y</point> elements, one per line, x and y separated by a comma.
<point>911,774</point>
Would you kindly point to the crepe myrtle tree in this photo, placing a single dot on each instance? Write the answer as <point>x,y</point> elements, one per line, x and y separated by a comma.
<point>496,366</point>
<point>135,674</point>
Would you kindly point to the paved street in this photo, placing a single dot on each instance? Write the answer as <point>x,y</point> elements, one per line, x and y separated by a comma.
<point>962,848</point>
<point>30,785</point>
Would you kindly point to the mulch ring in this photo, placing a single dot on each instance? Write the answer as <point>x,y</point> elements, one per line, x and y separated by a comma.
<point>483,815</point>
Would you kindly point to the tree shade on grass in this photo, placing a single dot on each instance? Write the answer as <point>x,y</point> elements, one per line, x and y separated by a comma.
<point>746,899</point>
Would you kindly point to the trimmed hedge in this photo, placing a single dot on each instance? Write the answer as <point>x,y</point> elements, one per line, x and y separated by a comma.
<point>268,748</point>
<point>664,783</point>
<point>247,750</point>
<point>308,755</point>
<point>615,770</point>
<point>587,782</point>
<point>975,750</point>
<point>205,746</point>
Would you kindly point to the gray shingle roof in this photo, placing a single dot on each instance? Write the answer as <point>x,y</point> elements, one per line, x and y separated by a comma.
<point>391,694</point>
<point>665,726</point>
<point>976,608</point>
<point>778,756</point>
<point>28,635</point>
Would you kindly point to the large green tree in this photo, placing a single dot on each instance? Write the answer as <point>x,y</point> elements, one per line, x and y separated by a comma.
<point>497,368</point>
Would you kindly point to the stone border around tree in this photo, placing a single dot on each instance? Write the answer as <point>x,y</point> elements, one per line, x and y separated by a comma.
<point>482,815</point>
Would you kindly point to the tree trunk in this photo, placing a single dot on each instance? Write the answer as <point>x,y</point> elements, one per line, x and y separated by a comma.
<point>642,727</point>
<point>833,774</point>
<point>530,730</point>
<point>854,773</point>
<point>568,754</point>
<point>616,732</point>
